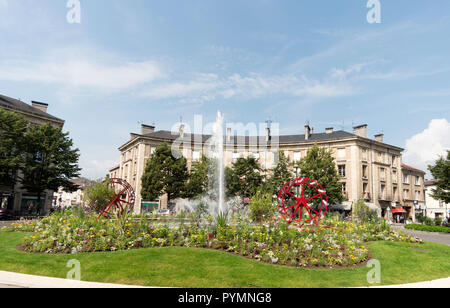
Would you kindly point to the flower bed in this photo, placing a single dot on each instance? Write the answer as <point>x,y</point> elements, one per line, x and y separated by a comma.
<point>332,243</point>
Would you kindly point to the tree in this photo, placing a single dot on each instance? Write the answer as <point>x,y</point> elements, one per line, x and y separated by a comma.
<point>441,172</point>
<point>244,178</point>
<point>318,165</point>
<point>50,161</point>
<point>12,131</point>
<point>164,174</point>
<point>198,178</point>
<point>281,173</point>
<point>99,195</point>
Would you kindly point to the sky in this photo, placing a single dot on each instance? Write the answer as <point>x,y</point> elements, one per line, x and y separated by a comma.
<point>152,62</point>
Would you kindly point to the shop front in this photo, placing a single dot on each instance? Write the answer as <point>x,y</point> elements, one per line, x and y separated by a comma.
<point>399,215</point>
<point>29,206</point>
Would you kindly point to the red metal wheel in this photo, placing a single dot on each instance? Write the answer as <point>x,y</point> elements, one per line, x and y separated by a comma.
<point>302,201</point>
<point>123,196</point>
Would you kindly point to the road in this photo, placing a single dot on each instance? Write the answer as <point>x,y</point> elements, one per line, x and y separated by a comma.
<point>436,237</point>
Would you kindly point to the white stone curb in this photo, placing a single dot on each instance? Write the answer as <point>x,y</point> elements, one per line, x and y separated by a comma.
<point>30,281</point>
<point>440,283</point>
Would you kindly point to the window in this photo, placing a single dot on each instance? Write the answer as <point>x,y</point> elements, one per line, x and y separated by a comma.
<point>395,193</point>
<point>417,180</point>
<point>382,174</point>
<point>364,154</point>
<point>297,156</point>
<point>382,191</point>
<point>394,160</point>
<point>394,176</point>
<point>364,171</point>
<point>344,188</point>
<point>341,169</point>
<point>417,195</point>
<point>365,188</point>
<point>405,178</point>
<point>195,155</point>
<point>152,150</point>
<point>406,194</point>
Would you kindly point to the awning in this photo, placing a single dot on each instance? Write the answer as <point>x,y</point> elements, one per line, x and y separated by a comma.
<point>398,211</point>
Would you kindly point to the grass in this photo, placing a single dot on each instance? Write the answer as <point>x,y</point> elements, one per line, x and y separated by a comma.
<point>186,267</point>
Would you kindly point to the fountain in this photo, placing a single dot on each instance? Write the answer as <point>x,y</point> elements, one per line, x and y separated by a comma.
<point>218,150</point>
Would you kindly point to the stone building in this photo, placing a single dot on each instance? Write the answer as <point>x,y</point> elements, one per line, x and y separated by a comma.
<point>371,169</point>
<point>15,198</point>
<point>413,189</point>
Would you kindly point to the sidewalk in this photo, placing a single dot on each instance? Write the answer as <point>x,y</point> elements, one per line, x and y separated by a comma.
<point>11,280</point>
<point>8,279</point>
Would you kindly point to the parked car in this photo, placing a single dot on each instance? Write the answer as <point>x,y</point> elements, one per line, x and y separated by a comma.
<point>163,212</point>
<point>5,214</point>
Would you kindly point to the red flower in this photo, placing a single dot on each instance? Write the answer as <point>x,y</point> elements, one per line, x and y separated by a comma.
<point>211,236</point>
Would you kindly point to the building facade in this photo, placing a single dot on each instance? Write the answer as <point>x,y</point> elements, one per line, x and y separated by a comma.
<point>434,208</point>
<point>15,199</point>
<point>62,199</point>
<point>371,169</point>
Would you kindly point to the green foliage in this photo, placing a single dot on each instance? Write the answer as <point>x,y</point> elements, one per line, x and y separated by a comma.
<point>99,195</point>
<point>221,219</point>
<point>164,174</point>
<point>281,174</point>
<point>319,166</point>
<point>429,228</point>
<point>198,178</point>
<point>441,171</point>
<point>50,160</point>
<point>12,130</point>
<point>244,178</point>
<point>261,207</point>
<point>363,213</point>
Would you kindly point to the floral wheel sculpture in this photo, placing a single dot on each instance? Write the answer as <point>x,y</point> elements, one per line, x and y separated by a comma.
<point>302,201</point>
<point>124,197</point>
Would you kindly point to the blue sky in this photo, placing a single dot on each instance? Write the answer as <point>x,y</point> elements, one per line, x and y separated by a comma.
<point>154,61</point>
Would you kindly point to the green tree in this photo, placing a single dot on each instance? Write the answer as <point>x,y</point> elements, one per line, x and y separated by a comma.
<point>198,178</point>
<point>12,131</point>
<point>244,178</point>
<point>441,172</point>
<point>50,161</point>
<point>99,195</point>
<point>318,165</point>
<point>281,174</point>
<point>164,174</point>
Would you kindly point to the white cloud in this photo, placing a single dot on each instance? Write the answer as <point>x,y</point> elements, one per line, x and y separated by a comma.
<point>96,169</point>
<point>208,87</point>
<point>82,73</point>
<point>424,148</point>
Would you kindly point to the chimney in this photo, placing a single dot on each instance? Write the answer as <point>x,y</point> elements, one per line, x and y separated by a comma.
<point>41,106</point>
<point>268,134</point>
<point>329,130</point>
<point>360,131</point>
<point>182,130</point>
<point>307,132</point>
<point>147,129</point>
<point>228,134</point>
<point>379,138</point>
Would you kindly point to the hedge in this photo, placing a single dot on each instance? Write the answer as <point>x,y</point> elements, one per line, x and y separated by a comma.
<point>428,228</point>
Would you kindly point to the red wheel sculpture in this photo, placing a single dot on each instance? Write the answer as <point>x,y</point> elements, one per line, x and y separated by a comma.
<point>299,203</point>
<point>123,196</point>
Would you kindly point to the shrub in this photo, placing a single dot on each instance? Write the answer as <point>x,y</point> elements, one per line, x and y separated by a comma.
<point>363,213</point>
<point>428,228</point>
<point>99,195</point>
<point>261,207</point>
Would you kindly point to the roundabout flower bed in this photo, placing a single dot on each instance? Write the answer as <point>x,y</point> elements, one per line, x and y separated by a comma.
<point>333,243</point>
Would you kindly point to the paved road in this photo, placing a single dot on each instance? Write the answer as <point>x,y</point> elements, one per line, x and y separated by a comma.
<point>441,238</point>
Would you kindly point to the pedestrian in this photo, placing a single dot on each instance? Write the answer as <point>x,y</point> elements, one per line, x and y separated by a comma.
<point>30,208</point>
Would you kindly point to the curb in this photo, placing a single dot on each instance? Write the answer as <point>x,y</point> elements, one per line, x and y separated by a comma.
<point>30,281</point>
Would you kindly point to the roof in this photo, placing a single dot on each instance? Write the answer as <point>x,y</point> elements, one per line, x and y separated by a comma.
<point>431,182</point>
<point>17,105</point>
<point>171,136</point>
<point>405,166</point>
